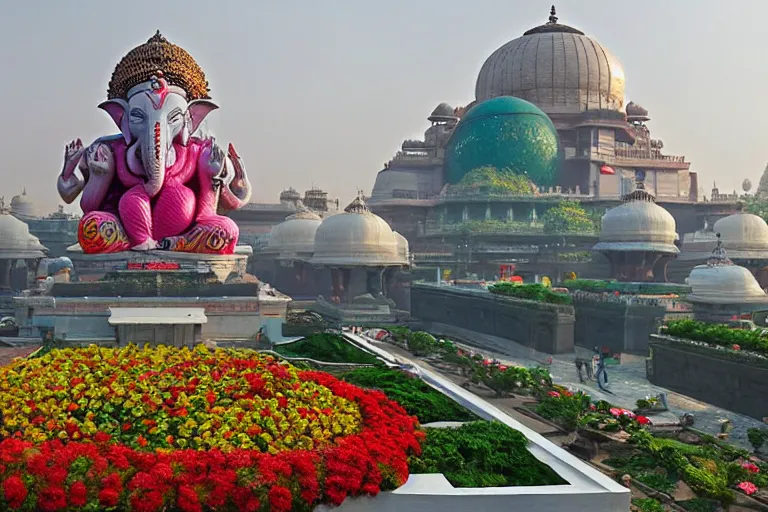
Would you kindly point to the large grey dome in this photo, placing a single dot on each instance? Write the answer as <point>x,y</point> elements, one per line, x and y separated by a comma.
<point>555,67</point>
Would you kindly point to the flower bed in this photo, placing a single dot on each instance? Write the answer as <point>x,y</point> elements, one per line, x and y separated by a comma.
<point>714,470</point>
<point>166,428</point>
<point>535,292</point>
<point>326,347</point>
<point>720,335</point>
<point>482,454</point>
<point>413,394</point>
<point>500,378</point>
<point>572,410</point>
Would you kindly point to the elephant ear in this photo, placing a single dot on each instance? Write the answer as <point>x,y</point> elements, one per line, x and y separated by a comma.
<point>197,111</point>
<point>118,111</point>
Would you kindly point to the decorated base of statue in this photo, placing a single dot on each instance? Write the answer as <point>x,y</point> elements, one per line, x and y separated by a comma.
<point>93,267</point>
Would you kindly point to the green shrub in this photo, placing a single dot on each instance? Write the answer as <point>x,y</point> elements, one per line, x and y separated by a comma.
<point>568,217</point>
<point>719,334</point>
<point>489,179</point>
<point>587,285</point>
<point>326,347</point>
<point>413,394</point>
<point>535,292</point>
<point>757,437</point>
<point>700,505</point>
<point>422,343</point>
<point>563,409</point>
<point>482,454</point>
<point>648,505</point>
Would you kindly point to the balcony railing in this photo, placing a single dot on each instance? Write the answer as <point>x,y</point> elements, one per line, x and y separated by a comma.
<point>640,154</point>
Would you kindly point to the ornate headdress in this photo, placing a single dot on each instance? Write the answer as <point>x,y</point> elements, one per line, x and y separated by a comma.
<point>158,57</point>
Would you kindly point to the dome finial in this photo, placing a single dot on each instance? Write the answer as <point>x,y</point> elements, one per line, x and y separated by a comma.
<point>553,15</point>
<point>719,257</point>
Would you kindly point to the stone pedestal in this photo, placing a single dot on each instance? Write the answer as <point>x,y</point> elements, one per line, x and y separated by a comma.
<point>93,267</point>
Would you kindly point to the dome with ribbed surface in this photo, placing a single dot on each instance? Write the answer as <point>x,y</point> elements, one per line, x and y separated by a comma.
<point>724,284</point>
<point>24,207</point>
<point>356,238</point>
<point>402,246</point>
<point>743,232</point>
<point>295,237</point>
<point>555,67</point>
<point>639,224</point>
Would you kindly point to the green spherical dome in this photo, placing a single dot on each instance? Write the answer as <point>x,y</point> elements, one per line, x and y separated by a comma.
<point>506,133</point>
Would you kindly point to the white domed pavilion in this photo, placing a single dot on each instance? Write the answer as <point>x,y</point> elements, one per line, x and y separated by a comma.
<point>362,252</point>
<point>20,252</point>
<point>638,238</point>
<point>721,290</point>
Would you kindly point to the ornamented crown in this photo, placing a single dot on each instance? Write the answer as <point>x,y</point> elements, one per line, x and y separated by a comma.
<point>158,55</point>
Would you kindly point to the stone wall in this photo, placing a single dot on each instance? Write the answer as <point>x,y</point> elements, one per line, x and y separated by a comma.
<point>622,327</point>
<point>544,327</point>
<point>738,383</point>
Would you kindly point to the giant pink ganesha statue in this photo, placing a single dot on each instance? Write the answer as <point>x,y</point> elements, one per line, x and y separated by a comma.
<point>156,185</point>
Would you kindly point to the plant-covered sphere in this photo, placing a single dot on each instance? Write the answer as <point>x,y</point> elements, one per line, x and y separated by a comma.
<point>506,133</point>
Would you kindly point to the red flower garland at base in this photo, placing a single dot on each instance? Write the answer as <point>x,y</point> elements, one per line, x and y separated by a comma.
<point>54,475</point>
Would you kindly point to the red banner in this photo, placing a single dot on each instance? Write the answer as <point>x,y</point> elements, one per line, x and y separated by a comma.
<point>153,265</point>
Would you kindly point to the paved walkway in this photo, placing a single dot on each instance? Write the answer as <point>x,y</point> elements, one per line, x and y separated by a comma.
<point>626,381</point>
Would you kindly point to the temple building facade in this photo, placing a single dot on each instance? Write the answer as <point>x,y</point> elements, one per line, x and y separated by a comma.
<point>603,142</point>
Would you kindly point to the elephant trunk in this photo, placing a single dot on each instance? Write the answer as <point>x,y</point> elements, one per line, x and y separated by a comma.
<point>154,152</point>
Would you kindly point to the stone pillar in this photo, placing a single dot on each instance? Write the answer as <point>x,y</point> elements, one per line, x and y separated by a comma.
<point>510,214</point>
<point>5,274</point>
<point>488,212</point>
<point>335,283</point>
<point>465,214</point>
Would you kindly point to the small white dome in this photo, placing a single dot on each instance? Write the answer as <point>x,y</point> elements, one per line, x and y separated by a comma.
<point>24,207</point>
<point>724,284</point>
<point>16,240</point>
<point>742,232</point>
<point>638,225</point>
<point>295,237</point>
<point>402,246</point>
<point>356,237</point>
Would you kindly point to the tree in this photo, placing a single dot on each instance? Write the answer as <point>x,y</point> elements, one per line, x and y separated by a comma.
<point>568,217</point>
<point>762,187</point>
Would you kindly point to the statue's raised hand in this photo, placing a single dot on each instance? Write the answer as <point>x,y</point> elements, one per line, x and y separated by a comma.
<point>72,154</point>
<point>212,162</point>
<point>69,185</point>
<point>239,182</point>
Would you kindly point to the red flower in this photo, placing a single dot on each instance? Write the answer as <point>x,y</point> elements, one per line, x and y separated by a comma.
<point>750,467</point>
<point>280,499</point>
<point>151,501</point>
<point>554,394</point>
<point>101,437</point>
<point>78,494</point>
<point>282,402</point>
<point>747,488</point>
<point>643,420</point>
<point>141,441</point>
<point>735,347</point>
<point>109,497</point>
<point>51,499</point>
<point>188,500</point>
<point>15,491</point>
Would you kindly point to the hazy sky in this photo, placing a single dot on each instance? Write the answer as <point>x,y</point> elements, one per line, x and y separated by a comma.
<point>322,93</point>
